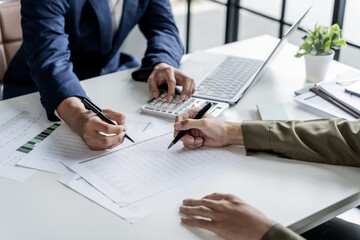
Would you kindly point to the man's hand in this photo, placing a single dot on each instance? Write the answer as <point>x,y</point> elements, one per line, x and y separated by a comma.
<point>208,131</point>
<point>90,127</point>
<point>164,73</point>
<point>227,216</point>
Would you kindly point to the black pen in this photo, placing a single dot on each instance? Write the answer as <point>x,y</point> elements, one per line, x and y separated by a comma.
<point>199,115</point>
<point>91,106</point>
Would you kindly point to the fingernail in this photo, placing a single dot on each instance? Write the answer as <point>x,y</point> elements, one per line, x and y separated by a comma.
<point>198,141</point>
<point>183,219</point>
<point>177,125</point>
<point>185,201</point>
<point>190,139</point>
<point>170,98</point>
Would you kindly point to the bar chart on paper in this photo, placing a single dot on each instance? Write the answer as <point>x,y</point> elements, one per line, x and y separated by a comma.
<point>21,128</point>
<point>27,147</point>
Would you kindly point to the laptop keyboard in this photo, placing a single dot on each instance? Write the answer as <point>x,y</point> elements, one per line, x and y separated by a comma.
<point>228,78</point>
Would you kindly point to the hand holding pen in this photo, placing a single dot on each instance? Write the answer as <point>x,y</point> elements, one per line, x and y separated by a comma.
<point>89,126</point>
<point>91,106</point>
<point>207,131</point>
<point>195,114</point>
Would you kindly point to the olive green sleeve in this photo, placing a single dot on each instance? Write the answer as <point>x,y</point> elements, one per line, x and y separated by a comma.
<point>277,232</point>
<point>332,141</point>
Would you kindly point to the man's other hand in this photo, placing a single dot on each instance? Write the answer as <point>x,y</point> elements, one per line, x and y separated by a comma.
<point>164,73</point>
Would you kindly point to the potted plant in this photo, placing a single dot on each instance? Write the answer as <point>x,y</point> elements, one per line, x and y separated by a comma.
<point>318,50</point>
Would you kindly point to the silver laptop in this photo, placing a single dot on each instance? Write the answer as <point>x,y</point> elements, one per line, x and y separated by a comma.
<point>225,78</point>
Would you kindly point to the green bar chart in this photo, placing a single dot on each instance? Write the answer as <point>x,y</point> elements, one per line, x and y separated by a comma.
<point>27,147</point>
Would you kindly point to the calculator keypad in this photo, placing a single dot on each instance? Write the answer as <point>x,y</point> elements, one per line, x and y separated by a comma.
<point>176,107</point>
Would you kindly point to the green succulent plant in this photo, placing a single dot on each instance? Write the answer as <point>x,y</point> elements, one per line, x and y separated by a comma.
<point>320,41</point>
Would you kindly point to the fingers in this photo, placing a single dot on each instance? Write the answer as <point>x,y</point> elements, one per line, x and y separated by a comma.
<point>119,140</point>
<point>197,211</point>
<point>116,116</point>
<point>97,125</point>
<point>95,132</point>
<point>200,223</point>
<point>193,88</point>
<point>187,83</point>
<point>101,142</point>
<point>165,73</point>
<point>171,82</point>
<point>221,196</point>
<point>187,124</point>
<point>191,139</point>
<point>153,86</point>
<point>211,204</point>
<point>193,146</point>
<point>188,114</point>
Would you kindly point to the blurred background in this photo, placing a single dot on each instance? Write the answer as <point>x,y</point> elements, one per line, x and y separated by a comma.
<point>215,22</point>
<point>257,17</point>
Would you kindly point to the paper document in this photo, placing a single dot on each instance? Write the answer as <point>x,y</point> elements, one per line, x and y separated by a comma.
<point>321,106</point>
<point>64,145</point>
<point>337,91</point>
<point>147,168</point>
<point>21,128</point>
<point>140,209</point>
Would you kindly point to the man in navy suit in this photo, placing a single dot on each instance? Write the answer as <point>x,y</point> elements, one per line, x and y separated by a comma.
<point>69,40</point>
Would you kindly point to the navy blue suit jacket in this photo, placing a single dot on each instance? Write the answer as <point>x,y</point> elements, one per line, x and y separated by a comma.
<point>69,40</point>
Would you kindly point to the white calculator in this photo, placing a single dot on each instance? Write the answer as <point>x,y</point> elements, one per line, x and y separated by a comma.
<point>161,107</point>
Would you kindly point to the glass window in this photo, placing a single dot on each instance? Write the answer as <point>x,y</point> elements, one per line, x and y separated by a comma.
<point>252,25</point>
<point>208,21</point>
<point>351,29</point>
<point>321,12</point>
<point>350,56</point>
<point>268,7</point>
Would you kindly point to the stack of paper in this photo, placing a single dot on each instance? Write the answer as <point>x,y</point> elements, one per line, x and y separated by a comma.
<point>64,145</point>
<point>132,180</point>
<point>22,128</point>
<point>335,90</point>
<point>320,106</point>
<point>141,178</point>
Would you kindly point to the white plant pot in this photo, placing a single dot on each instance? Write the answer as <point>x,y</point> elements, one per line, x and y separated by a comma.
<point>317,66</point>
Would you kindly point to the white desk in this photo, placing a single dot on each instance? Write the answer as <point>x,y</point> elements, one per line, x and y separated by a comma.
<point>297,194</point>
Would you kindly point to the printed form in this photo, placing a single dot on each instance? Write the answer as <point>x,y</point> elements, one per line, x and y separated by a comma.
<point>21,129</point>
<point>140,209</point>
<point>147,168</point>
<point>66,146</point>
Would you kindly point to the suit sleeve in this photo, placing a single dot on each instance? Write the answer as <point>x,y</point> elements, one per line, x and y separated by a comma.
<point>47,53</point>
<point>331,141</point>
<point>277,232</point>
<point>164,44</point>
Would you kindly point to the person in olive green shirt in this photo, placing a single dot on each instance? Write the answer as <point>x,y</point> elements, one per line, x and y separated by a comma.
<point>331,141</point>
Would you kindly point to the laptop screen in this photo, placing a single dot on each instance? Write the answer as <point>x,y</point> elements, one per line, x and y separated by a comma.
<point>279,46</point>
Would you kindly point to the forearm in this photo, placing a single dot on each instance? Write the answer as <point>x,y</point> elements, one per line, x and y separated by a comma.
<point>332,141</point>
<point>70,110</point>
